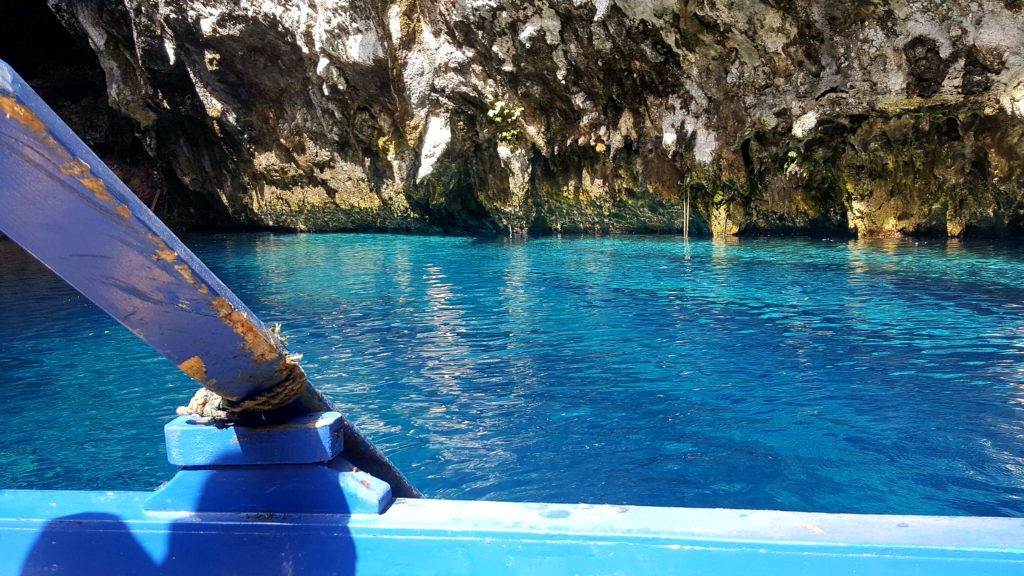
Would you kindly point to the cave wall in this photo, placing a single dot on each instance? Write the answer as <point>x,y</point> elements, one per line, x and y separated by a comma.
<point>805,116</point>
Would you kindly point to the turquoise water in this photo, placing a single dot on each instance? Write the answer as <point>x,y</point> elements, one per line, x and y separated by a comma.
<point>799,375</point>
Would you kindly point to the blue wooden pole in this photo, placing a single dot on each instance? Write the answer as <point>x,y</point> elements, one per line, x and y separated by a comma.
<point>61,203</point>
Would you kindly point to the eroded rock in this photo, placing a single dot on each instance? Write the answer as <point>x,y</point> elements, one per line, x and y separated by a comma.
<point>770,116</point>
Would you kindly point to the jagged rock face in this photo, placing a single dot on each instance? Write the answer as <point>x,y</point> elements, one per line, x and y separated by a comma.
<point>576,115</point>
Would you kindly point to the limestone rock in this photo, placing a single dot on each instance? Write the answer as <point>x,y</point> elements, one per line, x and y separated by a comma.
<point>773,116</point>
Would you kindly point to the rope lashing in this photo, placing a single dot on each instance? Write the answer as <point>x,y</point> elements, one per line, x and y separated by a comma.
<point>292,385</point>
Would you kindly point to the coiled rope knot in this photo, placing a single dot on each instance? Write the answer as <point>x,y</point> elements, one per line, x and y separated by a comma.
<point>289,388</point>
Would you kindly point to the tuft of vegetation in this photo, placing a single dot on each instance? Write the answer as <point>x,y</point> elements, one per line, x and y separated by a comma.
<point>387,146</point>
<point>507,118</point>
<point>793,169</point>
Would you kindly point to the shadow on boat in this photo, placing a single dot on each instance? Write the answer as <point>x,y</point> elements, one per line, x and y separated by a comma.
<point>213,537</point>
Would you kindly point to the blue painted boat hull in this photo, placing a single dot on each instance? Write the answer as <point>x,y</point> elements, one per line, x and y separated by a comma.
<point>110,533</point>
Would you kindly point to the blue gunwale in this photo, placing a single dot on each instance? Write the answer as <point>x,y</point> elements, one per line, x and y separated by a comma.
<point>422,536</point>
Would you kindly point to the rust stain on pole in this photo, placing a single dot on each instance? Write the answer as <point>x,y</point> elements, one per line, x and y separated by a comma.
<point>195,368</point>
<point>255,341</point>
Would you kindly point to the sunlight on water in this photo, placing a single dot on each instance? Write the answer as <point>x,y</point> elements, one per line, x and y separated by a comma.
<point>858,376</point>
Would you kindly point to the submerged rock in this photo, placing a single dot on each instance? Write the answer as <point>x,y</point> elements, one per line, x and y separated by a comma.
<point>880,118</point>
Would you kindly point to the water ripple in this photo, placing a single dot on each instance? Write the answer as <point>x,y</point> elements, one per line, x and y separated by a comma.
<point>881,377</point>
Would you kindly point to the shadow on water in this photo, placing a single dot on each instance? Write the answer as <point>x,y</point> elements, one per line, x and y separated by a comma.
<point>213,539</point>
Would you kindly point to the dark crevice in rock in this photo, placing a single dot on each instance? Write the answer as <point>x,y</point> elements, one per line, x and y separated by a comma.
<point>979,68</point>
<point>927,67</point>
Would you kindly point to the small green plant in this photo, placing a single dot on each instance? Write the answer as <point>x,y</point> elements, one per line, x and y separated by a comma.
<point>507,119</point>
<point>387,146</point>
<point>793,169</point>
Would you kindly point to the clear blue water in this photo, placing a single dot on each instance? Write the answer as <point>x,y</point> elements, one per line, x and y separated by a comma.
<point>799,375</point>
